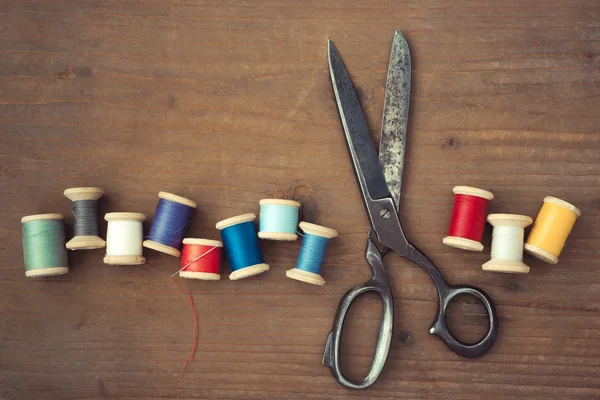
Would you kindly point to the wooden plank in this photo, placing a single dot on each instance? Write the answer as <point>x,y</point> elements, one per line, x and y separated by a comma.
<point>227,102</point>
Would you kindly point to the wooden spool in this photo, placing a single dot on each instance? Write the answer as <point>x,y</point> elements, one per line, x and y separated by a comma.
<point>282,236</point>
<point>124,259</point>
<point>547,246</point>
<point>85,242</point>
<point>461,242</point>
<point>206,276</point>
<point>249,270</point>
<point>44,272</point>
<point>163,248</point>
<point>307,276</point>
<point>508,265</point>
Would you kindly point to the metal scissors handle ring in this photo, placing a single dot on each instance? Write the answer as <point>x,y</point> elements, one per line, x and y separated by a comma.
<point>439,326</point>
<point>381,286</point>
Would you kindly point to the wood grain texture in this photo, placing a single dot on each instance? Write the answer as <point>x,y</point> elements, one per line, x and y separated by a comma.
<point>226,102</point>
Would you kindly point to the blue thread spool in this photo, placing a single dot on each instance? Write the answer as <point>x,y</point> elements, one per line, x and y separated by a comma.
<point>241,246</point>
<point>278,219</point>
<point>173,214</point>
<point>312,252</point>
<point>44,249</point>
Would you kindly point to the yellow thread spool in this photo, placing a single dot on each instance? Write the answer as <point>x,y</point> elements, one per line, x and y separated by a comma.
<point>551,229</point>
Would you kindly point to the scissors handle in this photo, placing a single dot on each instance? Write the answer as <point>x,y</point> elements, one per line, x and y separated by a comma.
<point>439,327</point>
<point>380,285</point>
<point>446,293</point>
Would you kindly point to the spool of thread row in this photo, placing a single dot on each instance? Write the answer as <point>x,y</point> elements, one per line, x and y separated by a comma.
<point>173,215</point>
<point>468,218</point>
<point>124,237</point>
<point>201,259</point>
<point>278,219</point>
<point>312,252</point>
<point>241,246</point>
<point>507,243</point>
<point>551,229</point>
<point>85,211</point>
<point>44,249</point>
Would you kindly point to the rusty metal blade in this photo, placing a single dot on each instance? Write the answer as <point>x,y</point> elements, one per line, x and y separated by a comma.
<point>392,145</point>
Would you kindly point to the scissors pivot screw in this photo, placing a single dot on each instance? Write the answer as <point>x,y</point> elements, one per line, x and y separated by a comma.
<point>384,213</point>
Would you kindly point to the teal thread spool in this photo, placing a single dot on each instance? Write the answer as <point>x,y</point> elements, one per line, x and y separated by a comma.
<point>44,248</point>
<point>312,252</point>
<point>278,219</point>
<point>241,246</point>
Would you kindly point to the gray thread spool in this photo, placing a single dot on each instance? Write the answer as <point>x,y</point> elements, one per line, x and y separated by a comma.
<point>85,211</point>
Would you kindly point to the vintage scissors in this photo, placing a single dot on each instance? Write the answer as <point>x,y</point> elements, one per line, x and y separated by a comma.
<point>380,180</point>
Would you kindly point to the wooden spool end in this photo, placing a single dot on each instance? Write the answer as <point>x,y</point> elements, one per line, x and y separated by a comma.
<point>238,219</point>
<point>280,202</point>
<point>203,242</point>
<point>43,272</point>
<point>41,217</point>
<point>563,204</point>
<point>124,260</point>
<point>541,253</point>
<point>473,191</point>
<point>506,266</point>
<point>248,271</point>
<point>318,230</point>
<point>125,216</point>
<point>305,276</point>
<point>281,236</point>
<point>205,276</point>
<point>462,243</point>
<point>86,243</point>
<point>177,199</point>
<point>172,251</point>
<point>520,221</point>
<point>84,193</point>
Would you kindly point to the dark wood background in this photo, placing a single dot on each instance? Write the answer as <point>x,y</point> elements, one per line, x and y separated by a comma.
<point>228,102</point>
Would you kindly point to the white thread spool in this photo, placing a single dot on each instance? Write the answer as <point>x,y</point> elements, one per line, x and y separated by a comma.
<point>507,243</point>
<point>124,237</point>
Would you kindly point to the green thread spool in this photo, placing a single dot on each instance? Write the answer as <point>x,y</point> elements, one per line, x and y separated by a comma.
<point>44,245</point>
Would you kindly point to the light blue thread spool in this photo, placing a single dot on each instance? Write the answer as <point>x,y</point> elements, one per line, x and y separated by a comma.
<point>44,248</point>
<point>278,219</point>
<point>173,215</point>
<point>312,252</point>
<point>241,246</point>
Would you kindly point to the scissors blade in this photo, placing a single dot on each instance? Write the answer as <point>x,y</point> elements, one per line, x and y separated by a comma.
<point>362,150</point>
<point>392,145</point>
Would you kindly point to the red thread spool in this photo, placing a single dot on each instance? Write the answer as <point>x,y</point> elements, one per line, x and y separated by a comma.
<point>468,218</point>
<point>201,259</point>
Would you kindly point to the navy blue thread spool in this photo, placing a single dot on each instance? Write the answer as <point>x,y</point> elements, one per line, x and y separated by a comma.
<point>85,211</point>
<point>240,241</point>
<point>173,215</point>
<point>312,252</point>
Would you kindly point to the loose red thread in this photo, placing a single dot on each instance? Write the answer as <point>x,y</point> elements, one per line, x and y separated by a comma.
<point>191,355</point>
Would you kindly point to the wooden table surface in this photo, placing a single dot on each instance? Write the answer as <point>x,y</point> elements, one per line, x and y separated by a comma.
<point>228,102</point>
